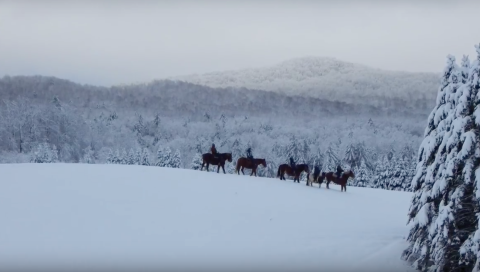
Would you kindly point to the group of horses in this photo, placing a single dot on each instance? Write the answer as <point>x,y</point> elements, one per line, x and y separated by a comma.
<point>242,163</point>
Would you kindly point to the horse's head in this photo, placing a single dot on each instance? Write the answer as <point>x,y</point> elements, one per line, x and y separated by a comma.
<point>263,162</point>
<point>349,174</point>
<point>229,156</point>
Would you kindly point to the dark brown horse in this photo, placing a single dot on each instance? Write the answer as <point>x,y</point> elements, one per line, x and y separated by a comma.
<point>247,163</point>
<point>332,177</point>
<point>219,160</point>
<point>285,168</point>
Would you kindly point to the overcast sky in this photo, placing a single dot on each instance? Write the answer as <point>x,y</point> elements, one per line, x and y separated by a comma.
<point>115,42</point>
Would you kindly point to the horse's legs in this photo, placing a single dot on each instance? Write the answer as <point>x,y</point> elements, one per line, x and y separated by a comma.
<point>223,167</point>
<point>242,170</point>
<point>208,164</point>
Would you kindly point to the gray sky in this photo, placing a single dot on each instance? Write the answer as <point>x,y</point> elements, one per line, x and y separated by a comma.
<point>115,42</point>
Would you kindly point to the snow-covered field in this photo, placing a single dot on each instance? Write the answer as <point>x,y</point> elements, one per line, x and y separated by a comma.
<point>59,215</point>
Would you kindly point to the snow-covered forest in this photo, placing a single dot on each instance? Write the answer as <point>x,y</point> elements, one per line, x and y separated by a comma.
<point>443,216</point>
<point>332,79</point>
<point>170,123</point>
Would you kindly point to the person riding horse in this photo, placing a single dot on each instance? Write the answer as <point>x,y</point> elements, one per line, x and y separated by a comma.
<point>249,155</point>
<point>292,164</point>
<point>214,151</point>
<point>339,172</point>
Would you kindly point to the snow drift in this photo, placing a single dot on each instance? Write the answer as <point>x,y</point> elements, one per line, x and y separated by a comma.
<point>93,216</point>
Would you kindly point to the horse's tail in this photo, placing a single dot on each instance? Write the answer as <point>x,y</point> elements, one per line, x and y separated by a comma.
<point>278,172</point>
<point>237,167</point>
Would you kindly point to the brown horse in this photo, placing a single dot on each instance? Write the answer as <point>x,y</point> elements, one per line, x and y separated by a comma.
<point>219,160</point>
<point>332,177</point>
<point>285,168</point>
<point>247,163</point>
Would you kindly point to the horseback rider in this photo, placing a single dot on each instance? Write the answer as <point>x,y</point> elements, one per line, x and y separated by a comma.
<point>339,172</point>
<point>249,155</point>
<point>292,164</point>
<point>214,151</point>
<point>316,172</point>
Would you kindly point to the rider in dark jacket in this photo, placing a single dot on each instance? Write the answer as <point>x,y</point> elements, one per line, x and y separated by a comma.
<point>249,154</point>
<point>292,164</point>
<point>214,151</point>
<point>339,172</point>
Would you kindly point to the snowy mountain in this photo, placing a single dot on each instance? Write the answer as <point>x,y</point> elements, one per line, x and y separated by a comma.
<point>332,79</point>
<point>66,215</point>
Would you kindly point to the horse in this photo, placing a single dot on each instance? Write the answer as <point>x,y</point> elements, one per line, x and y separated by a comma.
<point>317,178</point>
<point>247,163</point>
<point>219,160</point>
<point>285,168</point>
<point>331,177</point>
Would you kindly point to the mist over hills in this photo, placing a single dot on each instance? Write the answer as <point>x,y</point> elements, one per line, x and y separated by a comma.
<point>332,79</point>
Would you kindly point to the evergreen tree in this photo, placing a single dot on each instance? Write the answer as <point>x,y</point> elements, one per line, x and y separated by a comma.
<point>145,158</point>
<point>176,161</point>
<point>110,159</point>
<point>362,176</point>
<point>382,174</point>
<point>131,157</point>
<point>138,157</point>
<point>332,159</point>
<point>196,162</point>
<point>443,223</point>
<point>44,154</point>
<point>88,155</point>
<point>116,157</point>
<point>164,157</point>
<point>350,157</point>
<point>124,157</point>
<point>293,150</point>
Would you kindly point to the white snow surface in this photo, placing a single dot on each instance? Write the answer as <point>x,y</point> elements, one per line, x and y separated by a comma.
<point>85,215</point>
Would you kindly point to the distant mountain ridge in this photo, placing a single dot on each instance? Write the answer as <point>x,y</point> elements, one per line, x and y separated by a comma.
<point>332,79</point>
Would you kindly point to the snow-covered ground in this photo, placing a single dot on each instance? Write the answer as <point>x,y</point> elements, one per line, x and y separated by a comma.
<point>143,217</point>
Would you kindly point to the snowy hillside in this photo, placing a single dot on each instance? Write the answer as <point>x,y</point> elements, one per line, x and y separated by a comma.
<point>137,216</point>
<point>328,78</point>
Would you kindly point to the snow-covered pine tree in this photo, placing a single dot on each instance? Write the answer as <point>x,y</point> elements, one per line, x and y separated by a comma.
<point>444,232</point>
<point>176,161</point>
<point>124,157</point>
<point>164,157</point>
<point>145,159</point>
<point>465,68</point>
<point>88,155</point>
<point>396,178</point>
<point>293,150</point>
<point>362,176</point>
<point>138,157</point>
<point>131,157</point>
<point>332,160</point>
<point>382,175</point>
<point>350,157</point>
<point>116,157</point>
<point>110,159</point>
<point>44,154</point>
<point>196,162</point>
